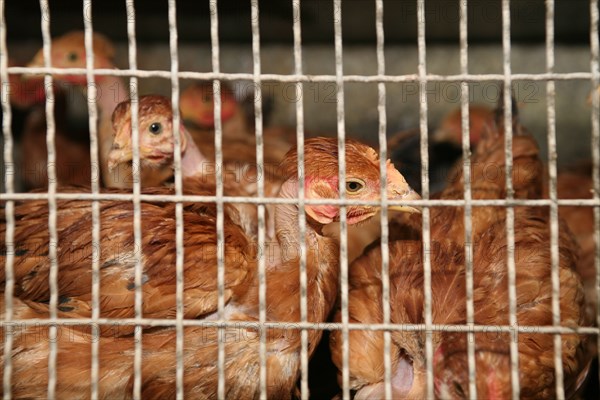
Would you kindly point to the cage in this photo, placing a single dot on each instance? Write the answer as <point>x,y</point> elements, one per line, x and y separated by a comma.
<point>349,69</point>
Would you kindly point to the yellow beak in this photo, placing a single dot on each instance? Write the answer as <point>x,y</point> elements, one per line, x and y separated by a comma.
<point>411,195</point>
<point>118,156</point>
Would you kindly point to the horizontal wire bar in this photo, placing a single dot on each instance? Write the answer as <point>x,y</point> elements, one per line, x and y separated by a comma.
<point>329,326</point>
<point>414,78</point>
<point>275,200</point>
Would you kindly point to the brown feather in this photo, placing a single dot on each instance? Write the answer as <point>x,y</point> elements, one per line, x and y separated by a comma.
<point>448,291</point>
<point>117,259</point>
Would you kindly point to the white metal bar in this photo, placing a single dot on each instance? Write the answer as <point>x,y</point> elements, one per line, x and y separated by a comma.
<point>304,391</point>
<point>595,143</point>
<point>260,192</point>
<point>552,174</point>
<point>414,78</point>
<point>426,234</point>
<point>137,210</point>
<point>53,236</point>
<point>385,250</point>
<point>9,213</point>
<point>510,212</point>
<point>275,200</point>
<point>341,135</point>
<point>179,228</point>
<point>466,148</point>
<point>214,40</point>
<point>95,189</point>
<point>137,214</point>
<point>156,322</point>
<point>137,232</point>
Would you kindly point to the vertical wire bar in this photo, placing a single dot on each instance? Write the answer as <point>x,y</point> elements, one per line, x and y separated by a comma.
<point>260,192</point>
<point>510,211</point>
<point>468,216</point>
<point>422,70</point>
<point>179,275</point>
<point>137,212</point>
<point>53,237</point>
<point>9,211</point>
<point>341,135</point>
<point>214,39</point>
<point>552,173</point>
<point>301,215</point>
<point>385,250</point>
<point>95,188</point>
<point>594,65</point>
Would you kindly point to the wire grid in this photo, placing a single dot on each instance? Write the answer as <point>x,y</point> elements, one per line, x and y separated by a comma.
<point>9,207</point>
<point>466,141</point>
<point>52,208</point>
<point>385,251</point>
<point>304,393</point>
<point>594,66</point>
<point>95,186</point>
<point>299,78</point>
<point>510,212</point>
<point>426,224</point>
<point>214,36</point>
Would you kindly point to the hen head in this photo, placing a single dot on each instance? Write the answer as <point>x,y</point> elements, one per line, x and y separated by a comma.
<point>197,104</point>
<point>362,179</point>
<point>155,122</point>
<point>492,365</point>
<point>481,118</point>
<point>68,51</point>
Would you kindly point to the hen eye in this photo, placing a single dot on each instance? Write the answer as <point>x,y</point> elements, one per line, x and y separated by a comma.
<point>72,56</point>
<point>354,186</point>
<point>155,128</point>
<point>459,390</point>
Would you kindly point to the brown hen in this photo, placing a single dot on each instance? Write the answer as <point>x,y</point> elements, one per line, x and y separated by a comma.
<point>27,95</point>
<point>239,140</point>
<point>490,295</point>
<point>30,351</point>
<point>157,148</point>
<point>481,118</point>
<point>72,149</point>
<point>575,182</point>
<point>68,51</point>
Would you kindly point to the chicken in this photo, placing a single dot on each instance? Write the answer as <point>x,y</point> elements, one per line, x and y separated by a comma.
<point>490,295</point>
<point>29,356</point>
<point>197,110</point>
<point>575,182</point>
<point>481,118</point>
<point>72,150</point>
<point>197,107</point>
<point>27,96</point>
<point>156,154</point>
<point>155,119</point>
<point>405,152</point>
<point>24,93</point>
<point>68,51</point>
<point>445,147</point>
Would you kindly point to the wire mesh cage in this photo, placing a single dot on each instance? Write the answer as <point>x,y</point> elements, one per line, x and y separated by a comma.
<point>219,335</point>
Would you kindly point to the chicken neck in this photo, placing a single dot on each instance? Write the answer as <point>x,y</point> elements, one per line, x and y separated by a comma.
<point>111,90</point>
<point>283,267</point>
<point>193,162</point>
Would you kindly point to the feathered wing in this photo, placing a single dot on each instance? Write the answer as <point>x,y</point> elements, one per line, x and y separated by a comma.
<point>490,286</point>
<point>117,257</point>
<point>575,182</point>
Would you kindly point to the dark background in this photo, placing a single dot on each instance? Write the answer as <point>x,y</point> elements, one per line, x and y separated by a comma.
<point>276,17</point>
